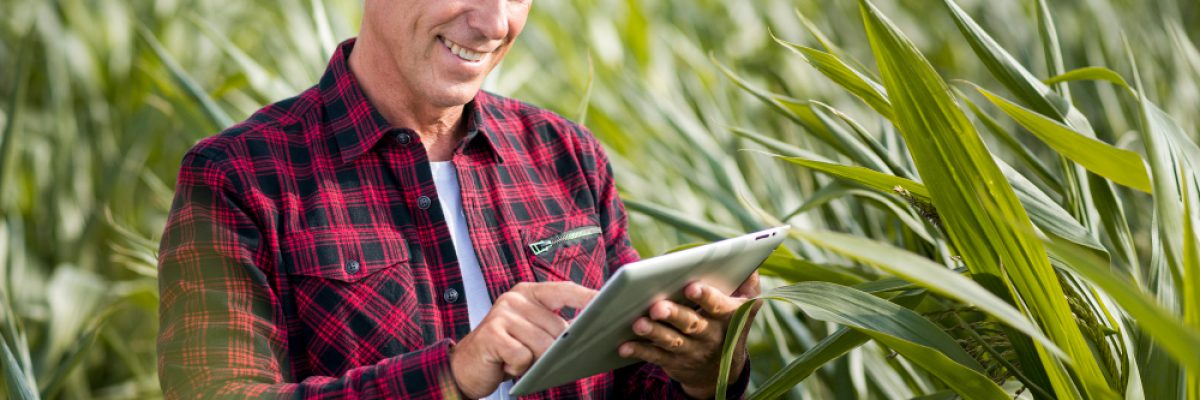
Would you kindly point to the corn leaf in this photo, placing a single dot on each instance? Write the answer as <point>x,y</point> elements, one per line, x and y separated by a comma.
<point>1180,341</point>
<point>1009,141</point>
<point>896,327</point>
<point>1091,74</point>
<point>1190,286</point>
<point>839,72</point>
<point>927,274</point>
<point>1046,214</point>
<point>864,176</point>
<point>1121,166</point>
<point>793,269</point>
<point>218,117</point>
<point>976,202</point>
<point>828,349</point>
<point>15,379</point>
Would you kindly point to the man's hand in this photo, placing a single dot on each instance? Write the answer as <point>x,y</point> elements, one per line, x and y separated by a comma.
<point>687,343</point>
<point>523,322</point>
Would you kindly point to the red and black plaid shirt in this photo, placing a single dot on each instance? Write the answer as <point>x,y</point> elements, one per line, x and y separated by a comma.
<point>306,254</point>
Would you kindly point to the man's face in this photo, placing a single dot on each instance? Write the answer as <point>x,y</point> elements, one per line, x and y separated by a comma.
<point>443,49</point>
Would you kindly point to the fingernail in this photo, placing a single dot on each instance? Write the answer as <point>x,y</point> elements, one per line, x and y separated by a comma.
<point>660,312</point>
<point>641,327</point>
<point>693,292</point>
<point>624,351</point>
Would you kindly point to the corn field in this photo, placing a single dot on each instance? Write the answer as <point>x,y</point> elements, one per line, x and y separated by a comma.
<point>990,199</point>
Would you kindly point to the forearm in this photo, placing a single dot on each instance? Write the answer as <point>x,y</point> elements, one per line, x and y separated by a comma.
<point>421,374</point>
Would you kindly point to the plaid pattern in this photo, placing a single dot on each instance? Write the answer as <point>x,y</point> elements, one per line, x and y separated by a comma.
<point>305,254</point>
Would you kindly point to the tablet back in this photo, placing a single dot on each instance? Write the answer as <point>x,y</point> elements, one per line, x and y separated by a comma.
<point>589,345</point>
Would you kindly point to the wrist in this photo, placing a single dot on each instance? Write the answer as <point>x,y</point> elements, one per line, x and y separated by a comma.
<point>699,393</point>
<point>709,390</point>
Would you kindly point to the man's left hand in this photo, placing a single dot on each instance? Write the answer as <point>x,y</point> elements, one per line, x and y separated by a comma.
<point>687,343</point>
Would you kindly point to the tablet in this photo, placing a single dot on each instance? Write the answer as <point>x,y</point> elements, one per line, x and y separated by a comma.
<point>589,345</point>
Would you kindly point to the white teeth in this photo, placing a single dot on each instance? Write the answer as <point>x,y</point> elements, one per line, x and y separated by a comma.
<point>461,52</point>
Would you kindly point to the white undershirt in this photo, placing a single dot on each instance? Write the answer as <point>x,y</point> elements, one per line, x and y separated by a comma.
<point>445,177</point>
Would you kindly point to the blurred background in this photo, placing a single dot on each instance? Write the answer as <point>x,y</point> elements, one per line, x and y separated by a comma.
<point>100,99</point>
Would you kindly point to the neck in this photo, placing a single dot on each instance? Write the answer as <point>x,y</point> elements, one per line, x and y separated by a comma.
<point>439,127</point>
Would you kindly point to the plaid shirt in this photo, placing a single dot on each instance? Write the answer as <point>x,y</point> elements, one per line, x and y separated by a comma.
<point>306,255</point>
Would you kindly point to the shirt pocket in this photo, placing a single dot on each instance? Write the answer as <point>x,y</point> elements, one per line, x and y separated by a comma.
<point>567,249</point>
<point>346,256</point>
<point>354,296</point>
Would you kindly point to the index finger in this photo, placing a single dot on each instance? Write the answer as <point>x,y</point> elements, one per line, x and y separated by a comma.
<point>556,295</point>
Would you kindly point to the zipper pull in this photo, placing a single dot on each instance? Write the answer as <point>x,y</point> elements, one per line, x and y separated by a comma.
<point>540,246</point>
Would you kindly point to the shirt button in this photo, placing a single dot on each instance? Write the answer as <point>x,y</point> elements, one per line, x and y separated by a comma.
<point>451,295</point>
<point>404,137</point>
<point>423,202</point>
<point>352,267</point>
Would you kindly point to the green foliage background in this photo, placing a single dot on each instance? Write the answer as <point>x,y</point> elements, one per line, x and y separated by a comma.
<point>101,99</point>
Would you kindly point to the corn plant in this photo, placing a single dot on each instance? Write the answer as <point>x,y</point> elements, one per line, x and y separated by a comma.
<point>102,98</point>
<point>1054,296</point>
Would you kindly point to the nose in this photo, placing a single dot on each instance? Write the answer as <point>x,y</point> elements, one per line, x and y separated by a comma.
<point>490,19</point>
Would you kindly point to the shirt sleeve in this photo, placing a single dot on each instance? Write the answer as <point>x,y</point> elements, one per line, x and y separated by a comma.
<point>222,332</point>
<point>641,380</point>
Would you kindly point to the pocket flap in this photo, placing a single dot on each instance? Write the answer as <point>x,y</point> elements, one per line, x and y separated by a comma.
<point>346,256</point>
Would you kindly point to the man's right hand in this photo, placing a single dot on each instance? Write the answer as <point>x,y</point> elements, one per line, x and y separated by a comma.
<point>520,327</point>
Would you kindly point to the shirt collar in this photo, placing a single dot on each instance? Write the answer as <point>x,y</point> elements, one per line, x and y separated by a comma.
<point>353,126</point>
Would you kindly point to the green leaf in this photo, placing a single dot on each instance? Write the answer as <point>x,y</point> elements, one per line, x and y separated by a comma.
<point>1053,52</point>
<point>828,349</point>
<point>879,181</point>
<point>1167,330</point>
<point>13,109</point>
<point>849,140</point>
<point>905,331</point>
<point>1047,214</point>
<point>792,269</point>
<point>839,72</point>
<point>1092,74</point>
<point>685,223</point>
<point>18,384</point>
<point>927,274</point>
<point>977,205</point>
<point>798,111</point>
<point>778,146</point>
<point>324,31</point>
<point>215,114</point>
<point>895,206</point>
<point>1121,166</point>
<point>82,348</point>
<point>1190,285</point>
<point>1005,68</point>
<point>1009,141</point>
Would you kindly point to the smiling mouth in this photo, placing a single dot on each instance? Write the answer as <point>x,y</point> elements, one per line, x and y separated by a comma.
<point>460,51</point>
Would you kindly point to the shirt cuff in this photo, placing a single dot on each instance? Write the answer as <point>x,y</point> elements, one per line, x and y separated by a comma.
<point>425,373</point>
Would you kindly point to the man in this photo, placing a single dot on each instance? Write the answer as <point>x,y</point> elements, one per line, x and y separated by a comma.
<point>396,232</point>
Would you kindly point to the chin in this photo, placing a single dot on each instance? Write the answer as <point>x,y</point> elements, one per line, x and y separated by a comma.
<point>454,96</point>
